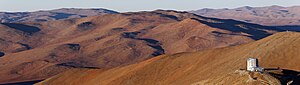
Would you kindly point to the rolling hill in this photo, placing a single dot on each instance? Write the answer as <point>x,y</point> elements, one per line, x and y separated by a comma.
<point>38,50</point>
<point>210,67</point>
<point>57,14</point>
<point>269,15</point>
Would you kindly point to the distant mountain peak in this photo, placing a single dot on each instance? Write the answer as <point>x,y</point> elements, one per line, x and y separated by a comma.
<point>243,8</point>
<point>276,6</point>
<point>55,14</point>
<point>269,15</point>
<point>248,7</point>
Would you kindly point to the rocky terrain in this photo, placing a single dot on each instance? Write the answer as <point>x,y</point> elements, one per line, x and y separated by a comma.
<point>271,15</point>
<point>57,14</point>
<point>221,66</point>
<point>33,51</point>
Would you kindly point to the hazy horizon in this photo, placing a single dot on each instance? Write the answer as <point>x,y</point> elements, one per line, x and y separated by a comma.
<point>137,5</point>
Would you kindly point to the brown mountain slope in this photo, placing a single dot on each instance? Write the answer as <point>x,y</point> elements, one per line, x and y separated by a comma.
<point>216,66</point>
<point>112,40</point>
<point>241,77</point>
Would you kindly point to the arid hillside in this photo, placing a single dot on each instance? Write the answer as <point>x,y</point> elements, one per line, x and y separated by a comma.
<point>49,15</point>
<point>269,15</point>
<point>38,50</point>
<point>210,67</point>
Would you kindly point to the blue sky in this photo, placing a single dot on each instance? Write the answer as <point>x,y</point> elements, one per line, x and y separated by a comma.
<point>136,5</point>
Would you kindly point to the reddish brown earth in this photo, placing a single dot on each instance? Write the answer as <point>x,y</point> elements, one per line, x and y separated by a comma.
<point>219,66</point>
<point>39,50</point>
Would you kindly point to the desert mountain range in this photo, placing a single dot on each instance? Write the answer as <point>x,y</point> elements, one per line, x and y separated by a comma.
<point>137,48</point>
<point>281,17</point>
<point>210,67</point>
<point>48,15</point>
<point>113,40</point>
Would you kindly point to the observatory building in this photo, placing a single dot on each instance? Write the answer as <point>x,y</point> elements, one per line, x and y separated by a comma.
<point>252,65</point>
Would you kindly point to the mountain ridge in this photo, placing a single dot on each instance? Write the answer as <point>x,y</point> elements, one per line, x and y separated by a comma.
<point>113,40</point>
<point>204,67</point>
<point>48,15</point>
<point>269,15</point>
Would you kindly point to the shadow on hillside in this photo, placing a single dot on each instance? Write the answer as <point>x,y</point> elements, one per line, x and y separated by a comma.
<point>22,27</point>
<point>76,65</point>
<point>286,76</point>
<point>295,28</point>
<point>256,31</point>
<point>85,26</point>
<point>59,16</point>
<point>150,42</point>
<point>2,54</point>
<point>23,83</point>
